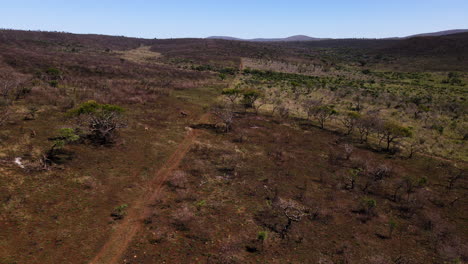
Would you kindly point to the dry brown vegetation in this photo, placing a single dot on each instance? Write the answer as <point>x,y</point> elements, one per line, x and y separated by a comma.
<point>260,182</point>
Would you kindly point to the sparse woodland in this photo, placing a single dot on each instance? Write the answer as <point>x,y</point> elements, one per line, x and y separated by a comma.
<point>217,151</point>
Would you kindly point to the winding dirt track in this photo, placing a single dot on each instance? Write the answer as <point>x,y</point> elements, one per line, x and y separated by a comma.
<point>126,230</point>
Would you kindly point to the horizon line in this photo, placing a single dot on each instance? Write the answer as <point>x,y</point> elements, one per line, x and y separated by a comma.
<point>227,36</point>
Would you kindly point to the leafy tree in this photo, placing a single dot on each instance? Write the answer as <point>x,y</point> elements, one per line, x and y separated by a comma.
<point>323,113</point>
<point>101,120</point>
<point>392,131</point>
<point>232,94</point>
<point>250,96</point>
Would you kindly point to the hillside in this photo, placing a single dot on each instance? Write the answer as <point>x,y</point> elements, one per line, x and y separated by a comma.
<point>440,33</point>
<point>127,150</point>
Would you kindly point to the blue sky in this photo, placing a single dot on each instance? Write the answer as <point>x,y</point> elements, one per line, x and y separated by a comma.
<point>239,18</point>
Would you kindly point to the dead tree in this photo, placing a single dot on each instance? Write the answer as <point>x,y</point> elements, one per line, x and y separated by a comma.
<point>225,114</point>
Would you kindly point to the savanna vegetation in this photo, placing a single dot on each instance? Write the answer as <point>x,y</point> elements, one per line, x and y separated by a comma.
<point>125,150</point>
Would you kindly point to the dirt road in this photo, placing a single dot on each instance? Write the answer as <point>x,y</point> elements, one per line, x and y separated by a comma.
<point>124,232</point>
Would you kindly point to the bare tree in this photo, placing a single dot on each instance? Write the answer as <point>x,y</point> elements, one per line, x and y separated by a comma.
<point>12,86</point>
<point>4,114</point>
<point>348,150</point>
<point>225,114</point>
<point>310,105</point>
<point>349,121</point>
<point>275,99</point>
<point>257,105</point>
<point>283,111</point>
<point>415,146</point>
<point>366,125</point>
<point>7,86</point>
<point>455,174</point>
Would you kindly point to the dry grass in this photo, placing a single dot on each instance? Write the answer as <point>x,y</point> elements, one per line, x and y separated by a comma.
<point>141,55</point>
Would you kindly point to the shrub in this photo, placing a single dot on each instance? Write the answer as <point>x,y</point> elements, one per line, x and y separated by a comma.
<point>283,111</point>
<point>262,235</point>
<point>32,110</point>
<point>228,70</point>
<point>200,204</point>
<point>366,71</point>
<point>65,136</point>
<point>12,88</point>
<point>53,74</point>
<point>392,224</point>
<point>101,120</point>
<point>119,212</point>
<point>53,83</point>
<point>453,78</point>
<point>352,177</point>
<point>368,205</point>
<point>348,151</point>
<point>4,114</point>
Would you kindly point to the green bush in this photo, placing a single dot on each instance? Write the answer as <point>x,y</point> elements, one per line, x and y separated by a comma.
<point>119,212</point>
<point>368,205</point>
<point>101,120</point>
<point>65,136</point>
<point>53,83</point>
<point>262,235</point>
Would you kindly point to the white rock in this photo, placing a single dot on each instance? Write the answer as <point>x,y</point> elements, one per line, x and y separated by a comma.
<point>19,163</point>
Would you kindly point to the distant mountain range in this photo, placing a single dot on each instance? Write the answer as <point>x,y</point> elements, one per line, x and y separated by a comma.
<point>292,38</point>
<point>307,38</point>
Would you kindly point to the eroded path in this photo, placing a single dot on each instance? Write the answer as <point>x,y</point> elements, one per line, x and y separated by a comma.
<point>124,232</point>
